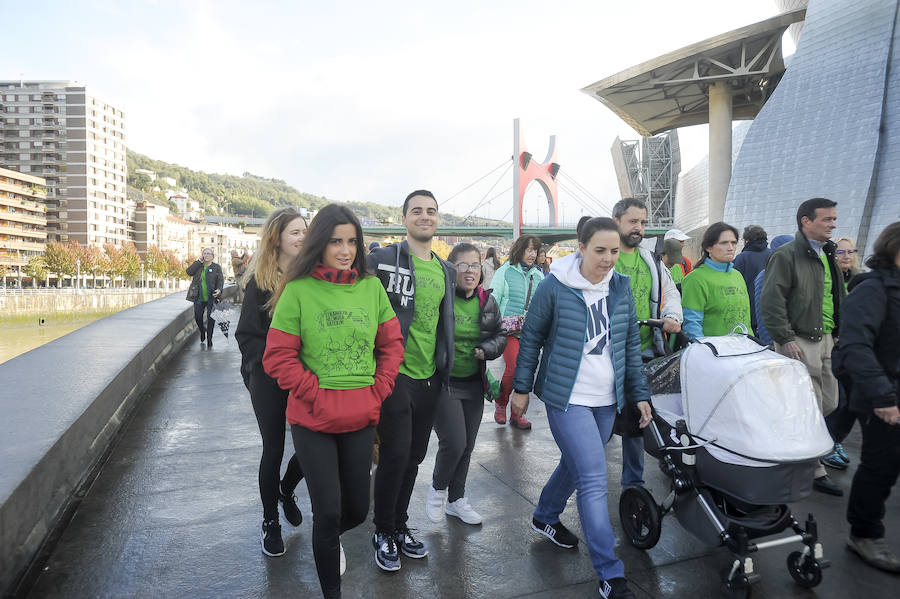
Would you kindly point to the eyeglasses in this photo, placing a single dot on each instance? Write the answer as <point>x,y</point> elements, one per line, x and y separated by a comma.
<point>841,252</point>
<point>463,267</point>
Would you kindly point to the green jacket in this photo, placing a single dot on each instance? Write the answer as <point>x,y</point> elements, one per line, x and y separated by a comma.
<point>793,291</point>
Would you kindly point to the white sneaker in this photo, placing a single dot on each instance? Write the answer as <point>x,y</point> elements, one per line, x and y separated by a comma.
<point>434,505</point>
<point>462,510</point>
<point>343,560</point>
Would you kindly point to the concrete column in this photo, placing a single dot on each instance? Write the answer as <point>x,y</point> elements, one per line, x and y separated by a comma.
<point>720,109</point>
<point>517,197</point>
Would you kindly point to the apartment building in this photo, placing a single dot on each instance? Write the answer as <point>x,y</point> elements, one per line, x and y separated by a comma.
<point>60,131</point>
<point>224,239</point>
<point>23,220</point>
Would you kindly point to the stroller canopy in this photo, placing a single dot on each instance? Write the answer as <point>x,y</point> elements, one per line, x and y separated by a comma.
<point>751,401</point>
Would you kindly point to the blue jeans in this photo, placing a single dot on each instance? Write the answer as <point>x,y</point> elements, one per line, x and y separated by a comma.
<point>632,462</point>
<point>581,434</point>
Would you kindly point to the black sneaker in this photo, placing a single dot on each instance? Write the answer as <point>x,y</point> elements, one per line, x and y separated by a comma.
<point>557,533</point>
<point>270,538</point>
<point>202,336</point>
<point>409,545</point>
<point>615,588</point>
<point>291,511</point>
<point>386,556</point>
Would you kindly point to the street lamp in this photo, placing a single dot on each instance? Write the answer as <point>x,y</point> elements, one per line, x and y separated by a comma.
<point>78,273</point>
<point>142,276</point>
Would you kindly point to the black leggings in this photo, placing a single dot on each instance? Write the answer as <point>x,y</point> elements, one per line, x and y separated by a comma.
<point>269,404</point>
<point>199,308</point>
<point>337,477</point>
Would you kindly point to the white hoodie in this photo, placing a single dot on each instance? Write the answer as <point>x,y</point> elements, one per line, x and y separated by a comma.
<point>595,385</point>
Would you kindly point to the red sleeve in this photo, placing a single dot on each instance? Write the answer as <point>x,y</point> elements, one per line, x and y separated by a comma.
<point>281,363</point>
<point>388,356</point>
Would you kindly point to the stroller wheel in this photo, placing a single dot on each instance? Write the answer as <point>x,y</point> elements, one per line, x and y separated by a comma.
<point>641,517</point>
<point>806,571</point>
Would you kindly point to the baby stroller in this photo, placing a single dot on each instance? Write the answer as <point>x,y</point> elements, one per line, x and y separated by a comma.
<point>737,429</point>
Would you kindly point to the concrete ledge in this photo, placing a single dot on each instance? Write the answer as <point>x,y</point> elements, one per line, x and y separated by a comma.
<point>61,406</point>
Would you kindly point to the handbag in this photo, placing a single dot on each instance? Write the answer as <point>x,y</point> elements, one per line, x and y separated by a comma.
<point>512,325</point>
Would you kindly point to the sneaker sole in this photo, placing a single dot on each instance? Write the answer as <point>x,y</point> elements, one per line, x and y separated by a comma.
<point>262,545</point>
<point>386,567</point>
<point>553,540</point>
<point>455,515</point>
<point>414,555</point>
<point>438,519</point>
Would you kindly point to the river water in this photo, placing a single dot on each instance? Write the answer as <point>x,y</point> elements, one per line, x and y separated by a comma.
<point>16,339</point>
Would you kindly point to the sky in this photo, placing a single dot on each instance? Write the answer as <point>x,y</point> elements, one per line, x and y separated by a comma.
<point>366,101</point>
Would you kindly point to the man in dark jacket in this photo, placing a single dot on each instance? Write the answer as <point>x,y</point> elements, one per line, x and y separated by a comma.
<point>800,305</point>
<point>421,288</point>
<point>751,261</point>
<point>206,287</point>
<point>867,359</point>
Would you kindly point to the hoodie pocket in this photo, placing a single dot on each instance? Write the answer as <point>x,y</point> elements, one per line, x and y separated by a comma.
<point>345,410</point>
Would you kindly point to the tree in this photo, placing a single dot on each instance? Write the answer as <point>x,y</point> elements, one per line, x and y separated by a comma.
<point>36,269</point>
<point>131,262</point>
<point>156,262</point>
<point>60,259</point>
<point>114,264</point>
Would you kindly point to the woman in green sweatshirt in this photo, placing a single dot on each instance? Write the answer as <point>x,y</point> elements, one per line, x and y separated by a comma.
<point>335,345</point>
<point>714,296</point>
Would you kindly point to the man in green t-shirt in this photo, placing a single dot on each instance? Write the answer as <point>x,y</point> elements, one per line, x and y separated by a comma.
<point>655,296</point>
<point>421,288</point>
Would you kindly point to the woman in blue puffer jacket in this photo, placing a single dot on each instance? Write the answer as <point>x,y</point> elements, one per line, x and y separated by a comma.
<point>585,321</point>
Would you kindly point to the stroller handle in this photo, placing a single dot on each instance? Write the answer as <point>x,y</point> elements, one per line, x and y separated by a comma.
<point>654,323</point>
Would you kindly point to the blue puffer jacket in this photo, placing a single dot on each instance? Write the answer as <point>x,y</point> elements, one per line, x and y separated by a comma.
<point>556,322</point>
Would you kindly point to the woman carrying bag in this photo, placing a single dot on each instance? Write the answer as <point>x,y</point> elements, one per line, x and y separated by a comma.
<point>513,285</point>
<point>206,287</point>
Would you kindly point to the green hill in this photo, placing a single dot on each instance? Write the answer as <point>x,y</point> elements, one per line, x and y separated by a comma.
<point>252,195</point>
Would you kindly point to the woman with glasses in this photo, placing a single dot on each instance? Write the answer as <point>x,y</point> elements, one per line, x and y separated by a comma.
<point>847,257</point>
<point>477,337</point>
<point>840,422</point>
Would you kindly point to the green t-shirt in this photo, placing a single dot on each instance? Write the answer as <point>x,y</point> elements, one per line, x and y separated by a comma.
<point>204,290</point>
<point>337,325</point>
<point>641,283</point>
<point>418,358</point>
<point>827,299</point>
<point>677,273</point>
<point>466,336</point>
<point>721,296</point>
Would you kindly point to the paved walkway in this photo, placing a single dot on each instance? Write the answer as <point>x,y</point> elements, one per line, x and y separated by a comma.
<point>176,513</point>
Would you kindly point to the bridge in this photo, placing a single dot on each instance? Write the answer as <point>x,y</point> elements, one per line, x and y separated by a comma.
<point>130,458</point>
<point>546,234</point>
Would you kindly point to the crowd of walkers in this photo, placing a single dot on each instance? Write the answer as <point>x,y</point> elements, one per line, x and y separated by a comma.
<point>372,350</point>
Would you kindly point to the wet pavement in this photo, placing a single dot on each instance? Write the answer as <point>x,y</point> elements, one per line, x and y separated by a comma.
<point>176,513</point>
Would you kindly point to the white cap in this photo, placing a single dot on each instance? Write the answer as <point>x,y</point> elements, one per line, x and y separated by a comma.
<point>676,234</point>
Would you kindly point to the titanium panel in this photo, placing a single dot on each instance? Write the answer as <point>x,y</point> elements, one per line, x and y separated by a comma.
<point>819,134</point>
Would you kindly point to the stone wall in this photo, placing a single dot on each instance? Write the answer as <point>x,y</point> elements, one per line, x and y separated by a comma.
<point>61,408</point>
<point>55,305</point>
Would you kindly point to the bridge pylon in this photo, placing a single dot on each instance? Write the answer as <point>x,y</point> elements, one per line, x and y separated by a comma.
<point>527,169</point>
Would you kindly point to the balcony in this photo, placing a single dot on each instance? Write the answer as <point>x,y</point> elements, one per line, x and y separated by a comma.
<point>12,260</point>
<point>15,244</point>
<point>5,200</point>
<point>19,231</point>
